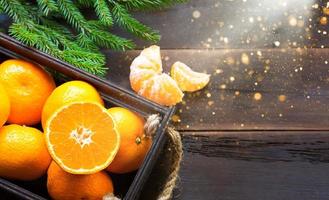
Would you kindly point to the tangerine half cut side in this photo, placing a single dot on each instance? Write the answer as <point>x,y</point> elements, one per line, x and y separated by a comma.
<point>81,138</point>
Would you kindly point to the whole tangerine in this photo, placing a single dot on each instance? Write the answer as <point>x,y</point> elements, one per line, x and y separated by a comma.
<point>65,186</point>
<point>28,87</point>
<point>134,145</point>
<point>24,154</point>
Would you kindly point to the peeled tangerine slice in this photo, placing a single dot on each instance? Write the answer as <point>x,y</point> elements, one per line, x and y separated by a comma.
<point>81,137</point>
<point>145,66</point>
<point>138,77</point>
<point>187,79</point>
<point>149,58</point>
<point>161,89</point>
<point>153,54</point>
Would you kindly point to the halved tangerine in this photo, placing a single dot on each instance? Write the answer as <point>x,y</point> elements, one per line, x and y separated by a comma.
<point>81,137</point>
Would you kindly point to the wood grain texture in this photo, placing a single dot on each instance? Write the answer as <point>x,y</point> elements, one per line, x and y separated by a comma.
<point>293,84</point>
<point>232,24</point>
<point>255,165</point>
<point>237,24</point>
<point>249,47</point>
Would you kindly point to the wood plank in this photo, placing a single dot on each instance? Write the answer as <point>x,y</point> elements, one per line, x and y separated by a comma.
<point>293,84</point>
<point>255,165</point>
<point>237,24</point>
<point>234,24</point>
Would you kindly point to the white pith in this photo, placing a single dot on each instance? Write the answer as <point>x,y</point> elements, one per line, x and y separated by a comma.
<point>82,136</point>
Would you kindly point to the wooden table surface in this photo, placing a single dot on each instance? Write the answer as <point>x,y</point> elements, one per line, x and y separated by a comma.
<point>260,130</point>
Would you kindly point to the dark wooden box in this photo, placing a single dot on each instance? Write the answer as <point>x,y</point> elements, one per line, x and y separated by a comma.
<point>128,186</point>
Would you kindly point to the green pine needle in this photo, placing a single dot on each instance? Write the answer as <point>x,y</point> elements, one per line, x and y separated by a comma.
<point>46,6</point>
<point>85,42</point>
<point>72,14</point>
<point>125,20</point>
<point>59,28</point>
<point>49,41</point>
<point>30,34</point>
<point>15,10</point>
<point>103,12</point>
<point>150,4</point>
<point>85,3</point>
<point>142,4</point>
<point>91,62</point>
<point>23,34</point>
<point>107,40</point>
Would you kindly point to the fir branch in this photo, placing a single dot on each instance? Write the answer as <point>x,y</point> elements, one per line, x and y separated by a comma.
<point>15,10</point>
<point>49,40</point>
<point>103,12</point>
<point>85,42</point>
<point>108,40</point>
<point>100,37</point>
<point>141,4</point>
<point>85,3</point>
<point>125,20</point>
<point>76,55</point>
<point>23,34</point>
<point>46,6</point>
<point>60,28</point>
<point>82,60</point>
<point>150,4</point>
<point>94,57</point>
<point>37,25</point>
<point>33,36</point>
<point>72,14</point>
<point>105,39</point>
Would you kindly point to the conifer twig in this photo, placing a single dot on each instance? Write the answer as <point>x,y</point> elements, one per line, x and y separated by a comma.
<point>150,4</point>
<point>103,12</point>
<point>47,25</point>
<point>125,20</point>
<point>72,14</point>
<point>46,6</point>
<point>15,10</point>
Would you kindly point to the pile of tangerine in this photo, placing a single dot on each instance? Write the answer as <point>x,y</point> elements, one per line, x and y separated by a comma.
<point>79,142</point>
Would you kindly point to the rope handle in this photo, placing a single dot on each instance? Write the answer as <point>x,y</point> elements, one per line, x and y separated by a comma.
<point>150,127</point>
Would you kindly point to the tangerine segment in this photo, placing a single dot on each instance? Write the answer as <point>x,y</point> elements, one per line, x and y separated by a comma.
<point>81,137</point>
<point>141,62</point>
<point>144,66</point>
<point>137,77</point>
<point>187,79</point>
<point>152,53</point>
<point>161,89</point>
